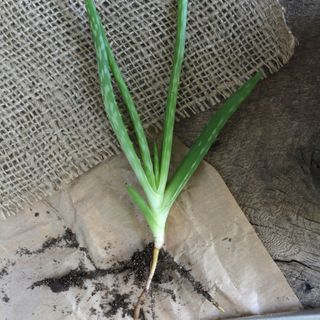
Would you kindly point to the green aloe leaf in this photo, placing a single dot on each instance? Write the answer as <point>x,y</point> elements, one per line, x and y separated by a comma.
<point>208,135</point>
<point>109,100</point>
<point>156,163</point>
<point>172,94</point>
<point>138,128</point>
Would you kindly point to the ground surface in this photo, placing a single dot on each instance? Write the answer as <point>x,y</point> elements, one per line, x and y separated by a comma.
<point>269,156</point>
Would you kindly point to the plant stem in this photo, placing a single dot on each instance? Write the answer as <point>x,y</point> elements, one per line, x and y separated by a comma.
<point>146,289</point>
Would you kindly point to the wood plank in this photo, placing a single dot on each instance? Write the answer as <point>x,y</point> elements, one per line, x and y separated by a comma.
<point>269,156</point>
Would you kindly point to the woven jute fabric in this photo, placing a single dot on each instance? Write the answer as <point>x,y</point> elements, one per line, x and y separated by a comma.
<point>53,126</point>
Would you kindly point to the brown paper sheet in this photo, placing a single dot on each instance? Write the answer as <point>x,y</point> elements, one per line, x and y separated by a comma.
<point>207,234</point>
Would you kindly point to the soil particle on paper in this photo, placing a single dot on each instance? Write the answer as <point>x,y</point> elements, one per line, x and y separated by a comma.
<point>98,287</point>
<point>67,240</point>
<point>93,311</point>
<point>86,252</point>
<point>5,299</point>
<point>75,278</point>
<point>4,271</point>
<point>119,302</point>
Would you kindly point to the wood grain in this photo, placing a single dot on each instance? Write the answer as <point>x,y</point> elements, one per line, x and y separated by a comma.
<point>269,156</point>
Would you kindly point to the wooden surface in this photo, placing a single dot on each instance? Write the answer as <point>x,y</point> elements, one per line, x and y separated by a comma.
<point>269,156</point>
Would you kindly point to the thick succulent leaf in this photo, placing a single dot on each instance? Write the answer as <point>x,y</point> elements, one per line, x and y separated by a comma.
<point>172,94</point>
<point>138,128</point>
<point>208,135</point>
<point>109,100</point>
<point>156,163</point>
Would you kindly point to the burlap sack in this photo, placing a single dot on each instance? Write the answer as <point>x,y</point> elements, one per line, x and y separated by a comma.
<point>53,126</point>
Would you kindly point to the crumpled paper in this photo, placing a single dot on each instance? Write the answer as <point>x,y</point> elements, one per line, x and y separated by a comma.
<point>72,255</point>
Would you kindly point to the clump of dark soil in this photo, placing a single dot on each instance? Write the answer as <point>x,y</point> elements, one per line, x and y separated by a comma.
<point>5,299</point>
<point>4,270</point>
<point>67,240</point>
<point>119,301</point>
<point>76,278</point>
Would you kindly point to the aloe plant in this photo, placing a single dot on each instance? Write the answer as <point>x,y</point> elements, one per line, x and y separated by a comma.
<point>152,171</point>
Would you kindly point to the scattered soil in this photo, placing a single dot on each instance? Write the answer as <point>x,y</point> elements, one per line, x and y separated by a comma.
<point>86,251</point>
<point>67,240</point>
<point>137,267</point>
<point>4,270</point>
<point>113,299</point>
<point>119,301</point>
<point>5,297</point>
<point>75,278</point>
